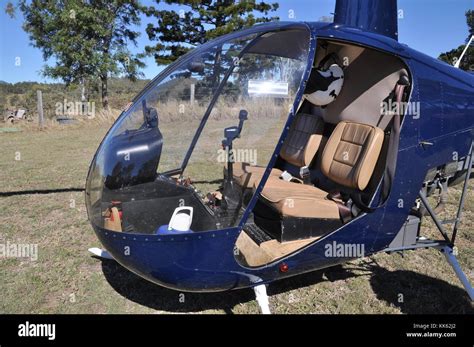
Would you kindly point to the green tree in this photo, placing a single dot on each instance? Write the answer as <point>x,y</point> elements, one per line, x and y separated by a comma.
<point>87,39</point>
<point>451,57</point>
<point>199,21</point>
<point>10,10</point>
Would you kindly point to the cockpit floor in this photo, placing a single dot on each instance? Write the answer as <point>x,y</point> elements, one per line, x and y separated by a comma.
<point>253,254</point>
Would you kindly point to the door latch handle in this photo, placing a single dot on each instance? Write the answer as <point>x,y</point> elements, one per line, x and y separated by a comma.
<point>425,144</point>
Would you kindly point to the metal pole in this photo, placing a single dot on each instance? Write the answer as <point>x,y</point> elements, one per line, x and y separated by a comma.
<point>463,195</point>
<point>458,62</point>
<point>433,215</point>
<point>40,109</point>
<point>448,253</point>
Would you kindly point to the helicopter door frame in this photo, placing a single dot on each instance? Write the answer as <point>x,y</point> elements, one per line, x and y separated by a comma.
<point>204,119</point>
<point>258,34</point>
<point>207,113</point>
<point>216,96</point>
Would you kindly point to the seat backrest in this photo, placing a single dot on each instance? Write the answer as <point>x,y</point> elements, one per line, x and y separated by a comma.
<point>369,79</point>
<point>303,140</point>
<point>351,153</point>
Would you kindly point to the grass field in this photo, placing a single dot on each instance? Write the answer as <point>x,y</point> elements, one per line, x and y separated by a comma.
<point>45,206</point>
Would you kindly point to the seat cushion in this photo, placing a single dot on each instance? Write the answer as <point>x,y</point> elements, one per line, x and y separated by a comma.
<point>298,200</point>
<point>246,175</point>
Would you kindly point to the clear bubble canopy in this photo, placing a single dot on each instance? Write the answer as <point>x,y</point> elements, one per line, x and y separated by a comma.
<point>177,159</point>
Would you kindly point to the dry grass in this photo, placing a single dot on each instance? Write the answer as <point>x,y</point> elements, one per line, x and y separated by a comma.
<point>261,108</point>
<point>100,118</point>
<point>65,279</point>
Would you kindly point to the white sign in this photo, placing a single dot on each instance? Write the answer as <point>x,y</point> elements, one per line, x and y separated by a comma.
<point>267,88</point>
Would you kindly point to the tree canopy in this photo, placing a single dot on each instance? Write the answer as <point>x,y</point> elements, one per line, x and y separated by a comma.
<point>451,57</point>
<point>87,38</point>
<point>198,21</point>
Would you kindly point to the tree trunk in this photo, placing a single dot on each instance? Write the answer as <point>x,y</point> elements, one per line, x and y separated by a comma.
<point>83,97</point>
<point>216,69</point>
<point>105,93</point>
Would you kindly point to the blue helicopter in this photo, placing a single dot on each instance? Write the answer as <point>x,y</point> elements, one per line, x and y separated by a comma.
<point>343,133</point>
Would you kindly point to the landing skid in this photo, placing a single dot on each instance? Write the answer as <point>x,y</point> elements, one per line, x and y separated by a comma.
<point>446,246</point>
<point>262,298</point>
<point>451,258</point>
<point>101,253</point>
<point>260,290</point>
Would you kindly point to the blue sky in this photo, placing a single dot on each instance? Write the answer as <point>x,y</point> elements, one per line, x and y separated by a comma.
<point>430,26</point>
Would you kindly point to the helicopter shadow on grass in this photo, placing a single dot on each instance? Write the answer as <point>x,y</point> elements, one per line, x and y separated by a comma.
<point>415,293</point>
<point>421,293</point>
<point>41,191</point>
<point>159,298</point>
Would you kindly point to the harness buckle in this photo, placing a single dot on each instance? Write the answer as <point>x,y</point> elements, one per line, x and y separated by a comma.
<point>305,175</point>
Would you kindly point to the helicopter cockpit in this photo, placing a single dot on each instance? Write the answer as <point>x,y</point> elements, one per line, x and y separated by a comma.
<point>168,163</point>
<point>188,156</point>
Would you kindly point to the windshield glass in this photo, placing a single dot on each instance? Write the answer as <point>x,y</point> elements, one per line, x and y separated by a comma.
<point>181,149</point>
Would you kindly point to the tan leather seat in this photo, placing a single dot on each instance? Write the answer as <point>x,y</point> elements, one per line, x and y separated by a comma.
<point>349,159</point>
<point>247,175</point>
<point>299,149</point>
<point>298,200</point>
<point>303,140</point>
<point>351,153</point>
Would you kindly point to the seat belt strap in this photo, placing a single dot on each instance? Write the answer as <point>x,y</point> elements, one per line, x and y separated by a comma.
<point>344,211</point>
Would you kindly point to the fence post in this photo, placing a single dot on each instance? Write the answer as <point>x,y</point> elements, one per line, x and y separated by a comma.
<point>191,99</point>
<point>40,109</point>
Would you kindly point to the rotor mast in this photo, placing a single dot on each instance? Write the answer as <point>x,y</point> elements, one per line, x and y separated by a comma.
<point>377,16</point>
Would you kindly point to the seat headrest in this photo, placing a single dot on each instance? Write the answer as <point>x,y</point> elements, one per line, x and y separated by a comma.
<point>351,153</point>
